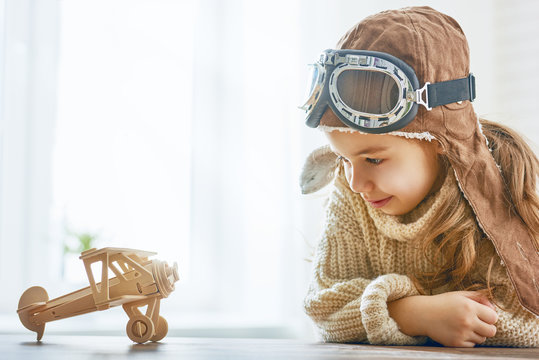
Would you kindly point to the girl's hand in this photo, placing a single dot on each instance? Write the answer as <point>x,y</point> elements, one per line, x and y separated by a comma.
<point>458,319</point>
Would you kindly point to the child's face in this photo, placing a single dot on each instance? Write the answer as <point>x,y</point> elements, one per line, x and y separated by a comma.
<point>390,172</point>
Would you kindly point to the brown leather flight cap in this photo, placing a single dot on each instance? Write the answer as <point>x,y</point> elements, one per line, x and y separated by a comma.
<point>434,45</point>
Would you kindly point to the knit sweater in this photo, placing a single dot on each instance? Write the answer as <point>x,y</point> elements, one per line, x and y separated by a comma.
<point>361,264</point>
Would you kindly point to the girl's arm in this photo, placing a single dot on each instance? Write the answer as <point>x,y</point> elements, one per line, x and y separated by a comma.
<point>465,318</point>
<point>459,318</point>
<point>345,304</point>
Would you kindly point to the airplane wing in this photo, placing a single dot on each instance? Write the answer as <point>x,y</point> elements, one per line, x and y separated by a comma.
<point>113,250</point>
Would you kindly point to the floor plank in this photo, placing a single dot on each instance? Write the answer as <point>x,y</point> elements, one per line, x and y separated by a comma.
<point>115,347</point>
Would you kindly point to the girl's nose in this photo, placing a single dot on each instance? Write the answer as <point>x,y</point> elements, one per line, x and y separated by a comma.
<point>359,181</point>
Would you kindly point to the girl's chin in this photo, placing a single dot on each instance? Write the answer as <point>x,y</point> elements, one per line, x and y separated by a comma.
<point>393,209</point>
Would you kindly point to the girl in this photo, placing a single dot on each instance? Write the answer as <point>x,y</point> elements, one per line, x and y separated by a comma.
<point>432,223</point>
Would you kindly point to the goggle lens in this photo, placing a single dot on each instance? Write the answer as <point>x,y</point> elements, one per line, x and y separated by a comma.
<point>314,86</point>
<point>367,91</point>
<point>312,80</point>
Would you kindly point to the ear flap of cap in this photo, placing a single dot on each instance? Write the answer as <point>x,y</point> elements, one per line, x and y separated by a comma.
<point>483,186</point>
<point>318,170</point>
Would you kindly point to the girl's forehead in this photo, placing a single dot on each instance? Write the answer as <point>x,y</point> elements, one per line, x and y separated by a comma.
<point>357,143</point>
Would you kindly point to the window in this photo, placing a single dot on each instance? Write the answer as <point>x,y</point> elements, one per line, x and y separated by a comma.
<point>121,163</point>
<point>159,136</point>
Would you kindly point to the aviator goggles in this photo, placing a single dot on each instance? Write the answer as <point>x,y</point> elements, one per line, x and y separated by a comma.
<point>375,92</point>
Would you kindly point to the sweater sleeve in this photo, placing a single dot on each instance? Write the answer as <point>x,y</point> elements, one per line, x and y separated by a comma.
<point>518,328</point>
<point>515,326</point>
<point>345,303</point>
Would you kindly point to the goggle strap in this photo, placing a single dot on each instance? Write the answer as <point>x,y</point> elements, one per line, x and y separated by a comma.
<point>447,92</point>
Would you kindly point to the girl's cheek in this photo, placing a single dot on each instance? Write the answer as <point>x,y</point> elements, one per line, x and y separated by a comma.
<point>408,183</point>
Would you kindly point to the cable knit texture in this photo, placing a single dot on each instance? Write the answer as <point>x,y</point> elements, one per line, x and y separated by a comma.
<point>361,264</point>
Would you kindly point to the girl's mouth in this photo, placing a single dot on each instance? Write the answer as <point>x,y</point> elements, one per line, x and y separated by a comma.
<point>380,203</point>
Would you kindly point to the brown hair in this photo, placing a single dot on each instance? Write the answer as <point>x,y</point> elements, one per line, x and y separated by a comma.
<point>455,235</point>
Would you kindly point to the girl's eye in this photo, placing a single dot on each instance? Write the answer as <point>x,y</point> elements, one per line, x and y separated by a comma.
<point>374,161</point>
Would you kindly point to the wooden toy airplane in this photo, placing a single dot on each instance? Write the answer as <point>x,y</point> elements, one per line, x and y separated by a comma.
<point>137,282</point>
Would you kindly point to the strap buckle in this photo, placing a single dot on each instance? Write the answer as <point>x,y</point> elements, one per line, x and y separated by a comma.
<point>418,98</point>
<point>445,92</point>
<point>471,86</point>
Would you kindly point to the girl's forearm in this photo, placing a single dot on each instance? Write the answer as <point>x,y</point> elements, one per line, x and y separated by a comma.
<point>409,313</point>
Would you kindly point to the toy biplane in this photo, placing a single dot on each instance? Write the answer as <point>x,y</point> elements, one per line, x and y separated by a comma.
<point>137,282</point>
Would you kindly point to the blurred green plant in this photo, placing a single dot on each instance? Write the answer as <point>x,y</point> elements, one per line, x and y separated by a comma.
<point>84,241</point>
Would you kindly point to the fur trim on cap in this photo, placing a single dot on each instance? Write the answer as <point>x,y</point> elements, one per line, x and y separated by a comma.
<point>409,135</point>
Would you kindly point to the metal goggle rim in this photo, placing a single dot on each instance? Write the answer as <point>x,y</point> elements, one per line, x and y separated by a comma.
<point>357,62</point>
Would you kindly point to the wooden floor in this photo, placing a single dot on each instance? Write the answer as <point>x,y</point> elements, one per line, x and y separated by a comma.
<point>115,347</point>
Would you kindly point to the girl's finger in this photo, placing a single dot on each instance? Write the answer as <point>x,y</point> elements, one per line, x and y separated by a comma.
<point>484,329</point>
<point>467,344</point>
<point>486,314</point>
<point>479,297</point>
<point>477,338</point>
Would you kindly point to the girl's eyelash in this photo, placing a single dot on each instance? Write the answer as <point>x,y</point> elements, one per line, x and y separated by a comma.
<point>369,160</point>
<point>374,161</point>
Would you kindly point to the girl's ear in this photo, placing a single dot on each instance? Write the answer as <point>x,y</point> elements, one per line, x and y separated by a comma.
<point>318,170</point>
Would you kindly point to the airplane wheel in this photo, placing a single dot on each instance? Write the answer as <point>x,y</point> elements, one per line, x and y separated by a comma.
<point>140,328</point>
<point>161,331</point>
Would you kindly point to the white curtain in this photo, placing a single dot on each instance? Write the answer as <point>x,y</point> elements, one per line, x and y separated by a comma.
<point>29,52</point>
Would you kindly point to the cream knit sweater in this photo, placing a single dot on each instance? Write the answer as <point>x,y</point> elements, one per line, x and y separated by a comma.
<point>360,264</point>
